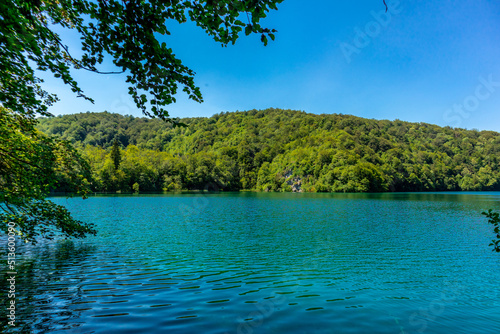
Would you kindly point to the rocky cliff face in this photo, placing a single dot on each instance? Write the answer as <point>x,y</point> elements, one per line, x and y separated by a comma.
<point>294,182</point>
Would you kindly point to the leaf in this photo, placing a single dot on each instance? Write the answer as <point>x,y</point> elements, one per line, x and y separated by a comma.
<point>248,29</point>
<point>263,39</point>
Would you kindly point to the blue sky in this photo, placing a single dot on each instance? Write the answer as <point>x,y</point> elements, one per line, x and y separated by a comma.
<point>429,61</point>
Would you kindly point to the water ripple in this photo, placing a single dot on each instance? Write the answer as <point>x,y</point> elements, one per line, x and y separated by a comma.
<point>267,263</point>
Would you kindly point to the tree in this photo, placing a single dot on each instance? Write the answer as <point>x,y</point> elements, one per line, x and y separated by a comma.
<point>232,149</point>
<point>127,31</point>
<point>136,187</point>
<point>115,154</point>
<point>32,163</point>
<point>494,219</point>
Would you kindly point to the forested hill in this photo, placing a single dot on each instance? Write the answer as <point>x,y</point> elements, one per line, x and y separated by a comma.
<point>281,150</point>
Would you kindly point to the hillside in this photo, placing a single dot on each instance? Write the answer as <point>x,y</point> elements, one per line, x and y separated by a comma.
<point>281,150</point>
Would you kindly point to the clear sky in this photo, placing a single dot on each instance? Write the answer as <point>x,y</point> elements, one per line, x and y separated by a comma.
<point>429,61</point>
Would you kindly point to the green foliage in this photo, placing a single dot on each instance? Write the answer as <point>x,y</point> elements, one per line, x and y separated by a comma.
<point>31,165</point>
<point>125,30</point>
<point>494,219</point>
<point>136,187</point>
<point>281,150</point>
<point>115,154</point>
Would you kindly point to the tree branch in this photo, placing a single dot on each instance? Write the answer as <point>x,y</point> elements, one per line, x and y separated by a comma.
<point>74,60</point>
<point>7,154</point>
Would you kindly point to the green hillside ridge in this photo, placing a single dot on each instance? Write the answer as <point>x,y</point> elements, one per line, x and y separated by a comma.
<point>280,150</point>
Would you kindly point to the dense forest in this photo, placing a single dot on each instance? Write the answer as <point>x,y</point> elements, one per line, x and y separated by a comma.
<point>279,150</point>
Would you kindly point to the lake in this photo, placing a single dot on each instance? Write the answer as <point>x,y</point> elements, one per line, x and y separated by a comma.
<point>248,263</point>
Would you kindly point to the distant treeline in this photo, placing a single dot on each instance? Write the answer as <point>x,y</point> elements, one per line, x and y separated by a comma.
<point>280,150</point>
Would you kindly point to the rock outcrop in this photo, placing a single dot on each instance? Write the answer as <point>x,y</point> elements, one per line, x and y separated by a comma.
<point>294,182</point>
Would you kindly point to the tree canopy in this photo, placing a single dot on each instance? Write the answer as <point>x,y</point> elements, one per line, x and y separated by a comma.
<point>126,31</point>
<point>31,164</point>
<point>281,150</point>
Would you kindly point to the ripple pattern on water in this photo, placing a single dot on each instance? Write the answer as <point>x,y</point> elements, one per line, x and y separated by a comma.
<point>268,263</point>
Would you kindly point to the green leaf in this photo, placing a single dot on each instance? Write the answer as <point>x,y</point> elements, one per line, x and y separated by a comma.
<point>248,29</point>
<point>263,39</point>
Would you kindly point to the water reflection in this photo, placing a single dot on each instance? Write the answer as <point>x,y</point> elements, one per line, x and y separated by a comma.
<point>46,286</point>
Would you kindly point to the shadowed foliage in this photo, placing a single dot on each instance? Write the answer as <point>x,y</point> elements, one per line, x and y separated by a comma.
<point>31,164</point>
<point>494,219</point>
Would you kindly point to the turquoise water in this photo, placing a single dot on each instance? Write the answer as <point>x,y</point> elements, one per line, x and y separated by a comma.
<point>269,263</point>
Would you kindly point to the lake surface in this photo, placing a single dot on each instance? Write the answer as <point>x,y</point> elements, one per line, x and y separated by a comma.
<point>248,263</point>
